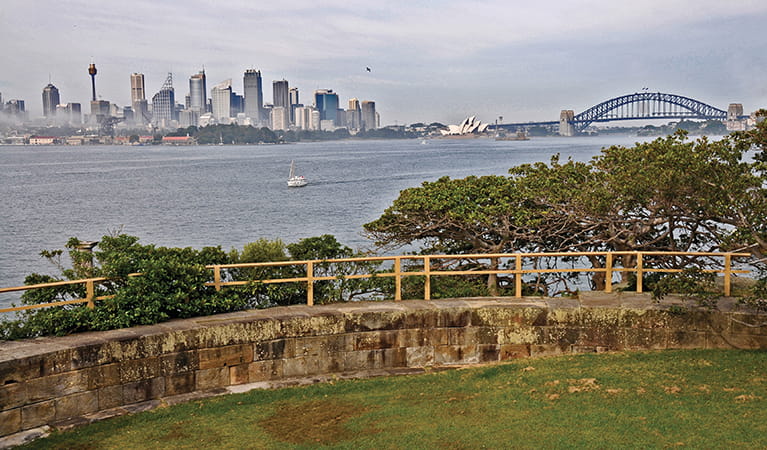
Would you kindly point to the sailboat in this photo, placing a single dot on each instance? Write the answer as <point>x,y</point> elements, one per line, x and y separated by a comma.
<point>295,180</point>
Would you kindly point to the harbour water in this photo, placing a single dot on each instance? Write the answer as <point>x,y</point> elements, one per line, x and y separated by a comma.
<point>230,195</point>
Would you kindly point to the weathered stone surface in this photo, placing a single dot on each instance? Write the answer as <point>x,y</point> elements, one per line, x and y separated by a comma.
<point>211,378</point>
<point>456,354</point>
<point>143,390</point>
<point>139,369</point>
<point>37,414</point>
<point>180,383</point>
<point>513,351</point>
<point>265,370</point>
<point>179,362</point>
<point>101,376</point>
<point>110,397</point>
<point>239,374</point>
<point>419,356</point>
<point>10,421</point>
<point>59,385</point>
<point>231,355</point>
<point>12,395</point>
<point>76,405</point>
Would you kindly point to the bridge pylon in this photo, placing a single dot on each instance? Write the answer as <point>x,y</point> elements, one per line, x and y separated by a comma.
<point>566,126</point>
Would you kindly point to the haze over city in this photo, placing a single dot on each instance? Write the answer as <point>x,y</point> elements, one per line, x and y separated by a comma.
<point>429,61</point>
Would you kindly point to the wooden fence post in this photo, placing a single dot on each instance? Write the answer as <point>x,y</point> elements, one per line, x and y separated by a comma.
<point>518,276</point>
<point>397,278</point>
<point>609,272</point>
<point>310,283</point>
<point>90,292</point>
<point>727,274</point>
<point>639,272</point>
<point>217,277</point>
<point>427,282</point>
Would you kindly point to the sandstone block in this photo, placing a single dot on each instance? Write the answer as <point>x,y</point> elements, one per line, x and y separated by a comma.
<point>12,395</point>
<point>139,369</point>
<point>180,383</point>
<point>211,378</point>
<point>179,362</point>
<point>10,421</point>
<point>110,397</point>
<point>239,374</point>
<point>76,405</point>
<point>140,391</point>
<point>102,376</point>
<point>37,414</point>
<point>265,370</point>
<point>419,356</point>
<point>488,353</point>
<point>513,351</point>
<point>231,355</point>
<point>53,386</point>
<point>456,354</point>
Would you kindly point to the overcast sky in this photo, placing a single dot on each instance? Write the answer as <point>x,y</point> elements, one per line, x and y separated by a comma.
<point>430,60</point>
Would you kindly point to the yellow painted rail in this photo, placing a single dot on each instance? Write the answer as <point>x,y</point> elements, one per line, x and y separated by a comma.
<point>514,261</point>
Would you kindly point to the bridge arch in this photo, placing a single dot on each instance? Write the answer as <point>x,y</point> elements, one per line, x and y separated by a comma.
<point>647,105</point>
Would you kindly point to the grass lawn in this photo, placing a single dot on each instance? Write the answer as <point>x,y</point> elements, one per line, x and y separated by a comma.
<point>692,398</point>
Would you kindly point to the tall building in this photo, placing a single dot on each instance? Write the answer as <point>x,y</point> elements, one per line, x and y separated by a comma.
<point>369,121</point>
<point>50,100</point>
<point>164,104</point>
<point>280,118</point>
<point>281,94</point>
<point>221,97</point>
<point>326,102</point>
<point>198,92</point>
<point>354,115</point>
<point>138,99</point>
<point>254,96</point>
<point>294,102</point>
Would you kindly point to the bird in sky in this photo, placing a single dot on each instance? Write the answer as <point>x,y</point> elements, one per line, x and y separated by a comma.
<point>368,69</point>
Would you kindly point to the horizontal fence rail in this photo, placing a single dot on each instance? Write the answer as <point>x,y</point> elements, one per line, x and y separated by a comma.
<point>515,263</point>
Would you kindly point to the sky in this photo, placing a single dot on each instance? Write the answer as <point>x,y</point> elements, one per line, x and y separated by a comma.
<point>430,61</point>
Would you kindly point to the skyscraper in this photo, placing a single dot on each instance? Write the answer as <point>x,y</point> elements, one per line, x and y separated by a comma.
<point>369,115</point>
<point>198,92</point>
<point>164,104</point>
<point>326,102</point>
<point>281,94</point>
<point>50,100</point>
<point>138,98</point>
<point>254,96</point>
<point>294,102</point>
<point>354,115</point>
<point>221,97</point>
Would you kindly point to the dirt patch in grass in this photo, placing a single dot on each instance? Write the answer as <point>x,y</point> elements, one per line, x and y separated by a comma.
<point>314,422</point>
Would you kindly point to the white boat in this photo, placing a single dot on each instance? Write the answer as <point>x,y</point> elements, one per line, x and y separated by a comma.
<point>295,180</point>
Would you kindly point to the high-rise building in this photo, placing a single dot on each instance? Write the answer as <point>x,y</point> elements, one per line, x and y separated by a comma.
<point>369,121</point>
<point>50,100</point>
<point>254,96</point>
<point>280,118</point>
<point>294,102</point>
<point>164,104</point>
<point>281,94</point>
<point>138,98</point>
<point>198,92</point>
<point>354,115</point>
<point>326,102</point>
<point>221,97</point>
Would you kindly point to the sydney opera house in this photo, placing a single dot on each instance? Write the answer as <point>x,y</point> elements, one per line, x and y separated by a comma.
<point>469,126</point>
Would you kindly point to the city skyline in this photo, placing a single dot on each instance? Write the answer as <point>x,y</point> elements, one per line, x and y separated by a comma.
<point>427,63</point>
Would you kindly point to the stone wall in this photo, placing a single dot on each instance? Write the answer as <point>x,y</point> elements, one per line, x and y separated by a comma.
<point>55,381</point>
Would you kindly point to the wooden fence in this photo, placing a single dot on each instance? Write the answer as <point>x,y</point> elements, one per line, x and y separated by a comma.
<point>513,264</point>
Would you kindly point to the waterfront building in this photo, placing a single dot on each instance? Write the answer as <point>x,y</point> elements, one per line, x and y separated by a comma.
<point>303,117</point>
<point>164,104</point>
<point>326,102</point>
<point>368,113</point>
<point>280,118</point>
<point>281,98</point>
<point>138,99</point>
<point>237,105</point>
<point>50,100</point>
<point>254,97</point>
<point>221,98</point>
<point>198,93</point>
<point>188,118</point>
<point>69,114</point>
<point>354,115</point>
<point>294,103</point>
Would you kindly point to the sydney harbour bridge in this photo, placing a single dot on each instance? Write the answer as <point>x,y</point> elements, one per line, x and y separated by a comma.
<point>640,105</point>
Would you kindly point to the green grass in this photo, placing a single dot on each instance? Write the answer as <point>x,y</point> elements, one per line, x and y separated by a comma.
<point>696,398</point>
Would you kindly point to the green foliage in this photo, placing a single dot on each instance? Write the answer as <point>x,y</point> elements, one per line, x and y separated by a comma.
<point>692,284</point>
